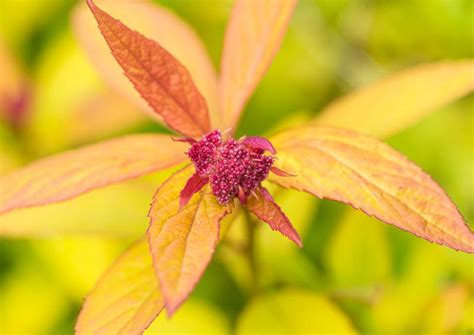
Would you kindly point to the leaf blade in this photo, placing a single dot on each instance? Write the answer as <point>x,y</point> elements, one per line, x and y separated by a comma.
<point>159,77</point>
<point>67,175</point>
<point>154,22</point>
<point>391,104</point>
<point>126,307</point>
<point>182,241</point>
<point>281,312</point>
<point>264,207</point>
<point>345,166</point>
<point>253,36</point>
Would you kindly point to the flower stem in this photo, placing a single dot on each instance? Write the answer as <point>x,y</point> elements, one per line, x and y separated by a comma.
<point>250,251</point>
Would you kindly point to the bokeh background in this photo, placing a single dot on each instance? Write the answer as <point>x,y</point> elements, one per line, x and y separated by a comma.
<point>354,273</point>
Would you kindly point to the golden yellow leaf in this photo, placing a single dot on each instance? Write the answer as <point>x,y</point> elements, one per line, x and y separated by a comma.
<point>399,101</point>
<point>253,36</point>
<point>126,299</point>
<point>70,174</point>
<point>342,165</point>
<point>182,241</point>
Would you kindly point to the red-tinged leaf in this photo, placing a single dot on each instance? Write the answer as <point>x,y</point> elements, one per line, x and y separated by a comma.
<point>345,166</point>
<point>67,175</point>
<point>264,207</point>
<point>257,142</point>
<point>126,299</point>
<point>399,101</point>
<point>14,90</point>
<point>253,37</point>
<point>193,185</point>
<point>280,172</point>
<point>182,241</point>
<point>188,140</point>
<point>160,78</point>
<point>242,196</point>
<point>159,24</point>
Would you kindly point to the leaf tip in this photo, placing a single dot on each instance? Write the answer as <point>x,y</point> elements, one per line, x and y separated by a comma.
<point>91,5</point>
<point>172,307</point>
<point>298,241</point>
<point>281,173</point>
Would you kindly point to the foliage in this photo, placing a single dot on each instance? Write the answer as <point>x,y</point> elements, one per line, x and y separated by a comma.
<point>328,162</point>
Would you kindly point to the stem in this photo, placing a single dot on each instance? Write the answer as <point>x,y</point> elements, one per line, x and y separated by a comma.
<point>250,251</point>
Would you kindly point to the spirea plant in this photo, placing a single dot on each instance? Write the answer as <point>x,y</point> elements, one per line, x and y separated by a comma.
<point>221,174</point>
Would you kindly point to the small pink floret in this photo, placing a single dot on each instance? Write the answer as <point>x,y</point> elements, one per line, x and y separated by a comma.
<point>259,144</point>
<point>234,168</point>
<point>202,153</point>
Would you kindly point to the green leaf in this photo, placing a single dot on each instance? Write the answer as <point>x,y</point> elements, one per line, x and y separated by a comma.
<point>293,311</point>
<point>195,317</point>
<point>358,253</point>
<point>402,304</point>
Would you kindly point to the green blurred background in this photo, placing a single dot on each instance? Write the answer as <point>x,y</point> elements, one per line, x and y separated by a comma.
<point>354,272</point>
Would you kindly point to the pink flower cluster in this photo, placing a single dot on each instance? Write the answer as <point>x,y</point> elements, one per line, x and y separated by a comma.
<point>234,168</point>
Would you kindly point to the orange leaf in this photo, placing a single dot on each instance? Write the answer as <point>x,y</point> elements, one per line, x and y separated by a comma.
<point>182,241</point>
<point>399,101</point>
<point>254,34</point>
<point>158,24</point>
<point>367,174</point>
<point>159,77</point>
<point>264,207</point>
<point>126,299</point>
<point>70,174</point>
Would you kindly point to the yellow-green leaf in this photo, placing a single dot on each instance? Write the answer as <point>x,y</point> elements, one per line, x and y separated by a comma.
<point>68,260</point>
<point>293,312</point>
<point>67,175</point>
<point>277,259</point>
<point>401,305</point>
<point>253,36</point>
<point>195,317</point>
<point>444,314</point>
<point>126,299</point>
<point>83,111</point>
<point>182,241</point>
<point>399,101</point>
<point>30,301</point>
<point>342,165</point>
<point>354,242</point>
